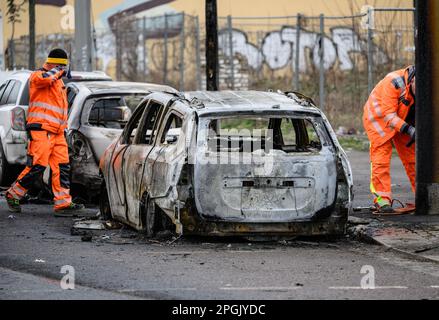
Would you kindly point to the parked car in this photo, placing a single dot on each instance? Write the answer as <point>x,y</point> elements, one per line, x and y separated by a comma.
<point>98,112</point>
<point>14,101</point>
<point>228,163</point>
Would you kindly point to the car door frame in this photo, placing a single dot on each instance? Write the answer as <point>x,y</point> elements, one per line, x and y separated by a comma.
<point>167,198</point>
<point>115,178</point>
<point>135,159</point>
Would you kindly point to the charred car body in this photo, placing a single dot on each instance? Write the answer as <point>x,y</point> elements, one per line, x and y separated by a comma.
<point>98,112</point>
<point>228,163</point>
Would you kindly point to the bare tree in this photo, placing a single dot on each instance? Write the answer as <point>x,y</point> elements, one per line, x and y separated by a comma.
<point>13,12</point>
<point>127,44</point>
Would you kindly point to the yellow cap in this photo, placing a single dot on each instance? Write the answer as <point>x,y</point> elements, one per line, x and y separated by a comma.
<point>57,61</point>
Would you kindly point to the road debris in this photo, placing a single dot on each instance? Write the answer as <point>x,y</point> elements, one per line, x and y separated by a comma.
<point>87,238</point>
<point>89,225</point>
<point>12,217</point>
<point>358,221</point>
<point>40,261</point>
<point>112,225</point>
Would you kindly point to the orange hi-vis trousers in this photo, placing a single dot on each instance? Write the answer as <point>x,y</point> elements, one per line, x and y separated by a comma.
<point>46,149</point>
<point>380,157</point>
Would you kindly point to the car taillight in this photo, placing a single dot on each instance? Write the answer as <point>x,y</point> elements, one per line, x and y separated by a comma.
<point>79,149</point>
<point>18,117</point>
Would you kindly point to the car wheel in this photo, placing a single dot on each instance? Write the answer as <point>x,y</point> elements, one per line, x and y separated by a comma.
<point>4,167</point>
<point>104,202</point>
<point>150,217</point>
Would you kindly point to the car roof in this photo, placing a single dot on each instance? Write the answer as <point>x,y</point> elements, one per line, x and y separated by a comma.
<point>22,75</point>
<point>79,76</point>
<point>207,102</point>
<point>98,87</point>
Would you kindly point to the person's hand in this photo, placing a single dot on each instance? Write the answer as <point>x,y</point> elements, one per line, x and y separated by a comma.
<point>62,70</point>
<point>411,131</point>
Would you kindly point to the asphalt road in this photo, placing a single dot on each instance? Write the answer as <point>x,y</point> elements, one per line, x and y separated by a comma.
<point>121,264</point>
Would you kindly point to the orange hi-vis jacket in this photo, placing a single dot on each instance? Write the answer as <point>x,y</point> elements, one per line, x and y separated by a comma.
<point>388,106</point>
<point>48,101</point>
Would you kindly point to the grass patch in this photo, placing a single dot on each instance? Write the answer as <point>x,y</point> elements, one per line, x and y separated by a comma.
<point>357,143</point>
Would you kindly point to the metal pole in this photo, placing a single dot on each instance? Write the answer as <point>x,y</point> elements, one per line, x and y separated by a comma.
<point>2,56</point>
<point>197,53</point>
<point>415,23</point>
<point>427,108</point>
<point>118,51</point>
<point>83,38</point>
<point>182,47</point>
<point>31,34</point>
<point>297,54</point>
<point>231,59</point>
<point>322,63</point>
<point>144,48</point>
<point>165,53</point>
<point>369,52</point>
<point>12,53</point>
<point>212,66</point>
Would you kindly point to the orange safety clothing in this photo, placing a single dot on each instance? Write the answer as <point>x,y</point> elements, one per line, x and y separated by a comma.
<point>380,158</point>
<point>388,106</point>
<point>384,118</point>
<point>46,122</point>
<point>46,149</point>
<point>48,102</point>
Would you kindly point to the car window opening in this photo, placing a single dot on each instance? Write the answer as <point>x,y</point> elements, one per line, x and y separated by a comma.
<point>112,113</point>
<point>249,134</point>
<point>172,130</point>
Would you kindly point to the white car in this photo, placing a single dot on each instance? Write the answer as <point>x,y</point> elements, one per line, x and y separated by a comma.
<point>14,101</point>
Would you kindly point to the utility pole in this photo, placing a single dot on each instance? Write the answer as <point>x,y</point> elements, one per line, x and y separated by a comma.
<point>2,56</point>
<point>427,108</point>
<point>32,34</point>
<point>212,67</point>
<point>83,36</point>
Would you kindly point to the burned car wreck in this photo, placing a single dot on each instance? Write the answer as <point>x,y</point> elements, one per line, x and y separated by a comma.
<point>98,112</point>
<point>228,163</point>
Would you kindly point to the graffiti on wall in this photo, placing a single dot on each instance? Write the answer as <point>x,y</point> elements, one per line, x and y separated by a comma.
<point>278,48</point>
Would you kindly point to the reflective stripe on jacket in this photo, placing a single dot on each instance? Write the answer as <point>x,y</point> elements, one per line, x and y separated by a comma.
<point>48,101</point>
<point>388,106</point>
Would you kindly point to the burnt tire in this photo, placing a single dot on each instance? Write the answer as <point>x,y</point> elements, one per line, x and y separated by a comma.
<point>5,168</point>
<point>104,202</point>
<point>150,216</point>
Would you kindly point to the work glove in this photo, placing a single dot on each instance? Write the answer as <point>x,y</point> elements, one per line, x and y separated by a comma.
<point>410,131</point>
<point>62,70</point>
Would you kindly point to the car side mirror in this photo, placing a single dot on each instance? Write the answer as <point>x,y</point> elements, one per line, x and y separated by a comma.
<point>171,139</point>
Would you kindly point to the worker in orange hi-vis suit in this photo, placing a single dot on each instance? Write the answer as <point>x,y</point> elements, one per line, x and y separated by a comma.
<point>46,123</point>
<point>389,118</point>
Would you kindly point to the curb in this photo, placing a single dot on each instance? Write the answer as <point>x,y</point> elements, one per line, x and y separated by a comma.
<point>363,233</point>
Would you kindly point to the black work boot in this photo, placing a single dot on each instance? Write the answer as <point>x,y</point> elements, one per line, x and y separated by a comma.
<point>69,211</point>
<point>13,204</point>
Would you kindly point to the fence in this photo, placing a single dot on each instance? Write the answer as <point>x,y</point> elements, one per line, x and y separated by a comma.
<point>335,60</point>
